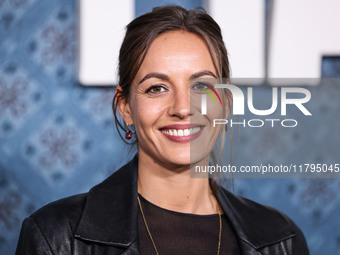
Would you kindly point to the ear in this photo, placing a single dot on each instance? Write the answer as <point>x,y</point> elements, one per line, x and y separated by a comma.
<point>123,107</point>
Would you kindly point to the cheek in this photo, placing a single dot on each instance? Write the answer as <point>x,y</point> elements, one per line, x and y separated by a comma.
<point>214,111</point>
<point>146,112</point>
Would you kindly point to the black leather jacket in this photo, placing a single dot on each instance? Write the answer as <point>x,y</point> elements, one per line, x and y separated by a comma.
<point>104,221</point>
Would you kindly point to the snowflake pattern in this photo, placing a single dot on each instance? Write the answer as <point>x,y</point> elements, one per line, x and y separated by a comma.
<point>58,45</point>
<point>14,205</point>
<point>20,98</point>
<point>316,198</point>
<point>57,148</point>
<point>8,205</point>
<point>98,103</point>
<point>318,189</point>
<point>11,97</point>
<point>54,44</point>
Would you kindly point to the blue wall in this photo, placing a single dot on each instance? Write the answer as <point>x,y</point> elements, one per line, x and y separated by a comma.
<point>57,137</point>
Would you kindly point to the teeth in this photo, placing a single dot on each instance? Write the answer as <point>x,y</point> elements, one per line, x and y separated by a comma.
<point>181,132</point>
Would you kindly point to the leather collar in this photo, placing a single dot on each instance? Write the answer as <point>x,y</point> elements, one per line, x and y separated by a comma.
<point>110,214</point>
<point>256,225</point>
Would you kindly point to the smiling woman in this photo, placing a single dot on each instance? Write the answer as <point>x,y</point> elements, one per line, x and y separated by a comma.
<point>159,101</point>
<point>152,205</point>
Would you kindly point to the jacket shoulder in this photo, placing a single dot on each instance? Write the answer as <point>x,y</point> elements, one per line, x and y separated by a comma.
<point>58,213</point>
<point>50,229</point>
<point>264,226</point>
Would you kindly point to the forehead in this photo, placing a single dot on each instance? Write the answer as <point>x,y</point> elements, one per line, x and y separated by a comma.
<point>178,48</point>
<point>182,41</point>
<point>179,38</point>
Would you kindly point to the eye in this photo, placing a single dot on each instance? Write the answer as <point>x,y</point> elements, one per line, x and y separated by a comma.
<point>156,89</point>
<point>201,86</point>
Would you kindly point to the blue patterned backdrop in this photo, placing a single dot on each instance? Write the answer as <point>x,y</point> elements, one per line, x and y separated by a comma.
<point>57,137</point>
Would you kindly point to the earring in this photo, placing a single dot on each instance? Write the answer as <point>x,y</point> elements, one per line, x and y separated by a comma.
<point>128,134</point>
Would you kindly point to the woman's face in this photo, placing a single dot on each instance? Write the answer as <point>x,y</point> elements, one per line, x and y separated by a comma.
<point>165,105</point>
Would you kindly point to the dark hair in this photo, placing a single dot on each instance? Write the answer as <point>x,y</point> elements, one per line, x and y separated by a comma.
<point>142,31</point>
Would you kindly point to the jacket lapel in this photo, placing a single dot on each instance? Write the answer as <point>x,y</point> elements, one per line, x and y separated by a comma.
<point>255,225</point>
<point>110,213</point>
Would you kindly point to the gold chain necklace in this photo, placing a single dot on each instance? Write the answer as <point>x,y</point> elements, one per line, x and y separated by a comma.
<point>153,242</point>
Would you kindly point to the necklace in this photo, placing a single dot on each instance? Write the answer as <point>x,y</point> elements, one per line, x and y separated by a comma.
<point>153,242</point>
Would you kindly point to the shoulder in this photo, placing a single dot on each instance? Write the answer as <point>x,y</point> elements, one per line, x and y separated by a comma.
<point>261,225</point>
<point>61,213</point>
<point>50,230</point>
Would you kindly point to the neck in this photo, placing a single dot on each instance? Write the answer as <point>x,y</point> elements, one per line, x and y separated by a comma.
<point>173,189</point>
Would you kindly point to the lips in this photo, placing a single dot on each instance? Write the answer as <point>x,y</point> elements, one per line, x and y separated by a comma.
<point>182,132</point>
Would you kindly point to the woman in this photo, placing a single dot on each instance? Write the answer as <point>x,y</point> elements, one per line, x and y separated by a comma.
<point>151,205</point>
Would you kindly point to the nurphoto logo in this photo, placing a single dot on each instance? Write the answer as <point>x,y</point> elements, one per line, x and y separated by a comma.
<point>239,105</point>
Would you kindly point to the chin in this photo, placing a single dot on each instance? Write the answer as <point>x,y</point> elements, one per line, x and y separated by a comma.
<point>180,159</point>
<point>190,159</point>
<point>195,153</point>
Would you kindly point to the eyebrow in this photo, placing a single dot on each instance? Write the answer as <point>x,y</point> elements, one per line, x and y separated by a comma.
<point>160,76</point>
<point>203,73</point>
<point>164,77</point>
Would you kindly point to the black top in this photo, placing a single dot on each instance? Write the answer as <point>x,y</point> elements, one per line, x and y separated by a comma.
<point>183,233</point>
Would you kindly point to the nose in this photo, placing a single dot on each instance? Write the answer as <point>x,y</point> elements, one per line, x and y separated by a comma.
<point>180,104</point>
